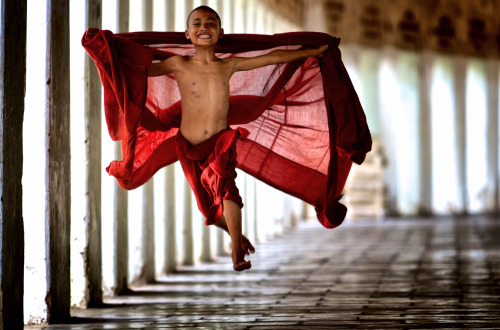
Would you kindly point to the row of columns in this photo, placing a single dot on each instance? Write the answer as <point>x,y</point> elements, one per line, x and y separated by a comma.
<point>58,176</point>
<point>366,65</point>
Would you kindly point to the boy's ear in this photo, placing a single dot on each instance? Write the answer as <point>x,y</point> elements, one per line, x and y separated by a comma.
<point>187,34</point>
<point>221,32</point>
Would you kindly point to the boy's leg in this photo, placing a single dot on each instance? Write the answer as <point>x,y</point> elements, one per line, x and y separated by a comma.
<point>247,245</point>
<point>233,219</point>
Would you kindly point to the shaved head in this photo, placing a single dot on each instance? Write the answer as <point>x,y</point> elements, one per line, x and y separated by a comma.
<point>205,8</point>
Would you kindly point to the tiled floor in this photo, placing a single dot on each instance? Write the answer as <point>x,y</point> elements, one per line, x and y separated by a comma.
<point>399,274</point>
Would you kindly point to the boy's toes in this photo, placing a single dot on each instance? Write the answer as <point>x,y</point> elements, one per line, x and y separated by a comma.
<point>247,246</point>
<point>250,248</point>
<point>240,266</point>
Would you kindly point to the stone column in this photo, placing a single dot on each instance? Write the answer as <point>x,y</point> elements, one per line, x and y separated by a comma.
<point>249,209</point>
<point>206,250</point>
<point>226,13</point>
<point>12,87</point>
<point>120,212</point>
<point>304,211</point>
<point>188,212</point>
<point>148,233</point>
<point>219,244</point>
<point>425,134</point>
<point>251,17</point>
<point>244,194</point>
<point>240,17</point>
<point>58,178</point>
<point>255,217</point>
<point>219,238</point>
<point>148,214</point>
<point>459,89</point>
<point>188,226</point>
<point>493,137</point>
<point>93,251</point>
<point>170,219</point>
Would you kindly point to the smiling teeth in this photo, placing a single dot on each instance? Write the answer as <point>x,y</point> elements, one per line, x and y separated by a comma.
<point>204,36</point>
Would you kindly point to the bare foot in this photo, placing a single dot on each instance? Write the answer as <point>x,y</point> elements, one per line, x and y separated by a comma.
<point>239,263</point>
<point>245,242</point>
<point>241,245</point>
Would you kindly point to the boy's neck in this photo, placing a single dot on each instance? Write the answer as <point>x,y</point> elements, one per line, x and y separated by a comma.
<point>204,54</point>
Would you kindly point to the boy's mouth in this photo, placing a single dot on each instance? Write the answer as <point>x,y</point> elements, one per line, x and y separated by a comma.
<point>204,36</point>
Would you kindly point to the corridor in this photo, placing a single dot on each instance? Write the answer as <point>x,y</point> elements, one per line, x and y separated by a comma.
<point>394,274</point>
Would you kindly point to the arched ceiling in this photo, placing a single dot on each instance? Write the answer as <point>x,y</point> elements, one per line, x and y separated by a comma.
<point>469,27</point>
<point>451,26</point>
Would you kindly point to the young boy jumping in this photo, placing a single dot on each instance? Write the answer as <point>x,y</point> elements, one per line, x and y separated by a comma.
<point>297,126</point>
<point>203,81</point>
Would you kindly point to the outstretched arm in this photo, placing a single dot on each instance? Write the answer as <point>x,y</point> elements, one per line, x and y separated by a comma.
<point>164,67</point>
<point>275,57</point>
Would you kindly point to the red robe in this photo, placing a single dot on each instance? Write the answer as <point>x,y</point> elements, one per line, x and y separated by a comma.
<point>210,169</point>
<point>305,120</point>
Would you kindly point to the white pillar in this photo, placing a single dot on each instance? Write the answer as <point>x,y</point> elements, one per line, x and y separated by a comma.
<point>120,212</point>
<point>250,16</point>
<point>188,226</point>
<point>244,193</point>
<point>226,13</point>
<point>388,100</point>
<point>219,243</point>
<point>256,226</point>
<point>188,212</point>
<point>148,233</point>
<point>93,121</point>
<point>170,221</point>
<point>425,134</point>
<point>206,247</point>
<point>170,241</point>
<point>148,214</point>
<point>493,141</point>
<point>460,128</point>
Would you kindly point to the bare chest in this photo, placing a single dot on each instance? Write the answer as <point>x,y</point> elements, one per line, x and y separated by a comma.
<point>200,81</point>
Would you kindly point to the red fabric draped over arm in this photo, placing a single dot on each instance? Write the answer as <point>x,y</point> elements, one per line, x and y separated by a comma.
<point>305,120</point>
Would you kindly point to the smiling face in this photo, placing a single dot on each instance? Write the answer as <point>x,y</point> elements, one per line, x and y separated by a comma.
<point>204,28</point>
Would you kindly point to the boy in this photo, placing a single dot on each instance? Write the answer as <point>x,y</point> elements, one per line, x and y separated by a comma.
<point>203,81</point>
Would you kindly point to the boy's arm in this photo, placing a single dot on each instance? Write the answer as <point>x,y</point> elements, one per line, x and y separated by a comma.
<point>164,67</point>
<point>275,57</point>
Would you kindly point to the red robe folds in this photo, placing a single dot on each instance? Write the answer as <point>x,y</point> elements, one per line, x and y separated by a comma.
<point>210,169</point>
<point>305,120</point>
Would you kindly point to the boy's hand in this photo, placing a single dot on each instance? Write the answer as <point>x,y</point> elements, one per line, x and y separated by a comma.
<point>322,49</point>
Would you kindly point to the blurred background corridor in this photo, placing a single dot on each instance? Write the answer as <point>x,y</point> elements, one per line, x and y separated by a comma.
<point>426,72</point>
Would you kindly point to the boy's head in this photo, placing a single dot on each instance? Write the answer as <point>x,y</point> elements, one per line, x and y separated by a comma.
<point>204,8</point>
<point>204,26</point>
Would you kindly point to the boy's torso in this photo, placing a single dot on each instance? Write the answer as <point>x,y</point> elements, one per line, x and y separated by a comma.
<point>204,89</point>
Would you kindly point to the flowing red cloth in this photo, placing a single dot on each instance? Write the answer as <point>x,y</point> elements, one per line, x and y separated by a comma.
<point>306,124</point>
<point>210,169</point>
